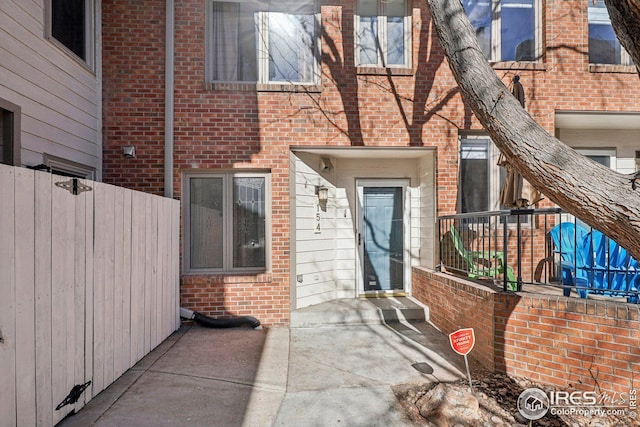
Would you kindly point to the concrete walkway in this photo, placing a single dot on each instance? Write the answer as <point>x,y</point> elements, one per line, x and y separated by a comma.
<point>333,373</point>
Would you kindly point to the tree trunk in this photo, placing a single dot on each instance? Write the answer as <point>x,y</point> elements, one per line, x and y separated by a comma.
<point>601,197</point>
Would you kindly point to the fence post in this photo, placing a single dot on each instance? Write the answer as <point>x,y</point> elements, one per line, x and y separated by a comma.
<point>505,247</point>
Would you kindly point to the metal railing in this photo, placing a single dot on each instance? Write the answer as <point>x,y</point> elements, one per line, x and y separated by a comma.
<point>521,247</point>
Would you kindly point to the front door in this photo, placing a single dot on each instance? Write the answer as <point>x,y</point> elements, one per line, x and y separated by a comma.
<point>381,236</point>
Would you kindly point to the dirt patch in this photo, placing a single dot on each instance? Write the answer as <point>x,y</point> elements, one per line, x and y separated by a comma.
<point>497,397</point>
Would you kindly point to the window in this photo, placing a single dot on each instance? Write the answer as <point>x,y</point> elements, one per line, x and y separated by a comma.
<point>481,179</point>
<point>383,33</point>
<point>226,222</point>
<point>264,42</point>
<point>507,30</point>
<point>478,157</point>
<point>604,46</point>
<point>70,23</point>
<point>9,133</point>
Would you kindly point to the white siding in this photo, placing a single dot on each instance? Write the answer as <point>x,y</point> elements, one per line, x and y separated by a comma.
<point>427,210</point>
<point>58,96</point>
<point>315,252</point>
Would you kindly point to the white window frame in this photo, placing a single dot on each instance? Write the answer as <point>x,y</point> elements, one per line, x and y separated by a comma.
<point>496,31</point>
<point>263,49</point>
<point>493,170</point>
<point>227,232</point>
<point>600,16</point>
<point>382,35</point>
<point>89,30</point>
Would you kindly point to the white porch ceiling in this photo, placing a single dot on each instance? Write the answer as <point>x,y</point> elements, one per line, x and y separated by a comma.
<point>597,120</point>
<point>366,152</point>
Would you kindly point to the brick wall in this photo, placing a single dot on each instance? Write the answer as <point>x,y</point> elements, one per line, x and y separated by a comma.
<point>133,38</point>
<point>568,343</point>
<point>237,127</point>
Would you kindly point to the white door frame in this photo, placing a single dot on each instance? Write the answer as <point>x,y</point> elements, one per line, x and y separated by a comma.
<point>406,207</point>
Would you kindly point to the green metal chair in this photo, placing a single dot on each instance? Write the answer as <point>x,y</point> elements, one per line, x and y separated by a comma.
<point>483,263</point>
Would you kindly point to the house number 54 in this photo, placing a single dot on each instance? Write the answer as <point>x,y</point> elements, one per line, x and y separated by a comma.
<point>316,219</point>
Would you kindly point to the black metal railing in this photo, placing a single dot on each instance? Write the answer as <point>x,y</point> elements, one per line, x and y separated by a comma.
<point>521,247</point>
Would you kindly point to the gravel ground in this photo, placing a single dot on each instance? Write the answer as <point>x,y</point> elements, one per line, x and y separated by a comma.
<point>497,396</point>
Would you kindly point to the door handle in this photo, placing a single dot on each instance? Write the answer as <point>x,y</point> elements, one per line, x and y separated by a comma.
<point>359,239</point>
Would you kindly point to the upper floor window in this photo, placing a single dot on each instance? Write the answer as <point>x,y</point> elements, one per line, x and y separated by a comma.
<point>70,23</point>
<point>604,46</point>
<point>263,41</point>
<point>226,222</point>
<point>507,30</point>
<point>383,33</point>
<point>9,133</point>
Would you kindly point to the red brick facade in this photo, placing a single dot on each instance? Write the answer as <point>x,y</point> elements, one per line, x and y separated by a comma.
<point>238,127</point>
<point>572,344</point>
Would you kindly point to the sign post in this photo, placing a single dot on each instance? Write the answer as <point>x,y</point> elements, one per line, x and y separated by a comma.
<point>462,342</point>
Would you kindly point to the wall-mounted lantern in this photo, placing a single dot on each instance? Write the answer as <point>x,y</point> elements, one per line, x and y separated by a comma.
<point>323,196</point>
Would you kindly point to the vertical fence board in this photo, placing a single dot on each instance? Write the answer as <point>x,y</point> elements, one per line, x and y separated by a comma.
<point>80,287</point>
<point>154,274</point>
<point>175,261</point>
<point>137,276</point>
<point>62,295</point>
<point>125,354</point>
<point>8,297</point>
<point>88,294</point>
<point>165,321</point>
<point>99,266</point>
<point>118,275</point>
<point>148,281</point>
<point>25,297</point>
<point>44,397</point>
<point>108,236</point>
<point>160,241</point>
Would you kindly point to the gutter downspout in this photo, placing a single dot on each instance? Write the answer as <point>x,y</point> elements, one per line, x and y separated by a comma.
<point>168,98</point>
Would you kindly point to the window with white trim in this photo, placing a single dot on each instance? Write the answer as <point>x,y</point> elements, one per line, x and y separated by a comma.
<point>604,46</point>
<point>226,222</point>
<point>263,41</point>
<point>507,30</point>
<point>383,33</point>
<point>479,181</point>
<point>70,24</point>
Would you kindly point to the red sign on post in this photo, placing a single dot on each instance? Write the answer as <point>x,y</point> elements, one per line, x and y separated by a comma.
<point>462,340</point>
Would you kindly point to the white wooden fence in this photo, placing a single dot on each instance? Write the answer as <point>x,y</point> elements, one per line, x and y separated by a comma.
<point>88,286</point>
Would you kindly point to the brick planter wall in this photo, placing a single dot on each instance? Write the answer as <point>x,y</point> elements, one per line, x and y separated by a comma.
<point>564,342</point>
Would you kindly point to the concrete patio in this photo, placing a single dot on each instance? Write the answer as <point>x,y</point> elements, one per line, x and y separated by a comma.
<point>336,365</point>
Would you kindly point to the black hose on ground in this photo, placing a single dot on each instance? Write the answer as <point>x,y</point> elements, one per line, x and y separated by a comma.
<point>226,323</point>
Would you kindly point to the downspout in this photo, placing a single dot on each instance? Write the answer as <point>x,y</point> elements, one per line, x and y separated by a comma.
<point>168,98</point>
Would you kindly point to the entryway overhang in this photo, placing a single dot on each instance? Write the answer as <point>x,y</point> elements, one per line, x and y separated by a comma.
<point>327,253</point>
